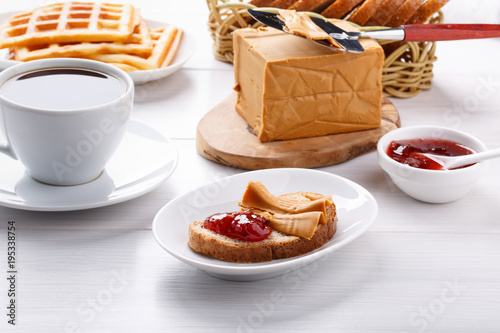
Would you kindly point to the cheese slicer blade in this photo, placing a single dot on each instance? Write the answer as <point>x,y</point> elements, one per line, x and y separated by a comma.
<point>272,20</point>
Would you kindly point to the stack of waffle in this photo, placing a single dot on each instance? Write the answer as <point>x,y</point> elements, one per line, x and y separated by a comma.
<point>112,33</point>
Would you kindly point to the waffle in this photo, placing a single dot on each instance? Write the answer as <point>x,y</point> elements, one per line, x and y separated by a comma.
<point>139,43</point>
<point>166,42</point>
<point>69,22</point>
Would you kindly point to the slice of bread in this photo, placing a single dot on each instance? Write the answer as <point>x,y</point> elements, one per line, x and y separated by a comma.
<point>277,246</point>
<point>384,12</point>
<point>365,11</point>
<point>262,3</point>
<point>340,8</point>
<point>425,12</point>
<point>311,5</point>
<point>407,10</point>
<point>282,4</point>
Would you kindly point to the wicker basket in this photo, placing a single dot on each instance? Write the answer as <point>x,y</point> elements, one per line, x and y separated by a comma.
<point>407,67</point>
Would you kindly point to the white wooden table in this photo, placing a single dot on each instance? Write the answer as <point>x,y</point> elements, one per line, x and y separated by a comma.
<point>419,268</point>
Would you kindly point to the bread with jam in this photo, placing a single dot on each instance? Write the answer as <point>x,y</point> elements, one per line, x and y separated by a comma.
<point>284,240</point>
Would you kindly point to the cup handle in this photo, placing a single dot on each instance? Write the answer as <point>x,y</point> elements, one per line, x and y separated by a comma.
<point>6,148</point>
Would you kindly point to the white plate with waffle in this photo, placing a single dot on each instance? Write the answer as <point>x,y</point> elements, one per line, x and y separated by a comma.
<point>185,51</point>
<point>148,36</point>
<point>356,211</point>
<point>144,160</point>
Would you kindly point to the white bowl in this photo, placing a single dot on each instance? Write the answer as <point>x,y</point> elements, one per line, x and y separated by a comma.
<point>433,186</point>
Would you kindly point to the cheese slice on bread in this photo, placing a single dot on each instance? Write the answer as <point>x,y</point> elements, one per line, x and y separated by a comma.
<point>279,245</point>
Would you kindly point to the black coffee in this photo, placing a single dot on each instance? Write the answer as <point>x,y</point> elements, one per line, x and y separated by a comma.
<point>63,89</point>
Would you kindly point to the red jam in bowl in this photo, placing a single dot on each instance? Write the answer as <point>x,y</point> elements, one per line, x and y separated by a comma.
<point>244,226</point>
<point>410,151</point>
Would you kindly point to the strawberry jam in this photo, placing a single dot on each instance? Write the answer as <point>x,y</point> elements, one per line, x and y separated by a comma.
<point>410,152</point>
<point>244,226</point>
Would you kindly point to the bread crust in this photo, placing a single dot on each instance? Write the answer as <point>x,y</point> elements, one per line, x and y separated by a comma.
<point>384,12</point>
<point>404,12</point>
<point>340,8</point>
<point>208,242</point>
<point>282,4</point>
<point>276,246</point>
<point>310,5</point>
<point>365,11</point>
<point>262,3</point>
<point>425,12</point>
<point>300,246</point>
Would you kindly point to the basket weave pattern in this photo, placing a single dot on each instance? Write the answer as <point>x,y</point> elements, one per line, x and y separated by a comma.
<point>407,67</point>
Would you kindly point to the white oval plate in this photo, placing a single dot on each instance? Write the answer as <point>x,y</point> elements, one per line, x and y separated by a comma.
<point>186,50</point>
<point>356,209</point>
<point>144,160</point>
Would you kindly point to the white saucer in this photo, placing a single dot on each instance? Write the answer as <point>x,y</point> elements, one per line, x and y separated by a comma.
<point>144,160</point>
<point>185,51</point>
<point>356,211</point>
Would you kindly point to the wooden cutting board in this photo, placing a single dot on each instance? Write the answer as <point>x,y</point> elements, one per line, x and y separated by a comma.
<point>225,137</point>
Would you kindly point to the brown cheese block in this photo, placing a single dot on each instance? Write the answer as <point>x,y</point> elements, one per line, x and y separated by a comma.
<point>289,87</point>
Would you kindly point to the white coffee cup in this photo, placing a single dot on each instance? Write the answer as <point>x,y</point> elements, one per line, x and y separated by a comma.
<point>64,137</point>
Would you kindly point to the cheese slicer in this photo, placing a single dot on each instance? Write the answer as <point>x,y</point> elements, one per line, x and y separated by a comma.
<point>272,20</point>
<point>411,32</point>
